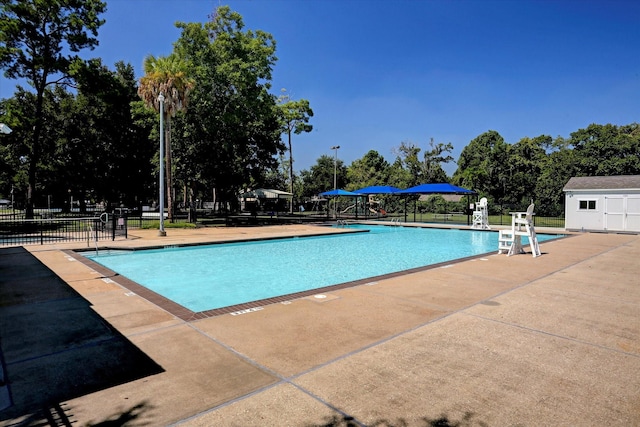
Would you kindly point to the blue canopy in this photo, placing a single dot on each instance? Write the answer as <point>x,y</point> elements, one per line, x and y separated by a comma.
<point>442,188</point>
<point>378,189</point>
<point>339,192</point>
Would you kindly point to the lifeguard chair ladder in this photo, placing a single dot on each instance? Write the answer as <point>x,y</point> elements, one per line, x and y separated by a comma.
<point>510,241</point>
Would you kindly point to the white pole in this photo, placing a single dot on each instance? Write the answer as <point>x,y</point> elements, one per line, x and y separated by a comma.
<point>161,232</point>
<point>335,180</point>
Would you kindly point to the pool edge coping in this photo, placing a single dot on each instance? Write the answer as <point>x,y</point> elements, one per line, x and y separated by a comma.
<point>188,315</point>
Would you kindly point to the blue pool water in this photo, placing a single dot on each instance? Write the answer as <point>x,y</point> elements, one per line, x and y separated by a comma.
<point>207,277</point>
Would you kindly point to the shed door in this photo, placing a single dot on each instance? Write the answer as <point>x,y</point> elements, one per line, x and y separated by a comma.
<point>614,213</point>
<point>633,213</point>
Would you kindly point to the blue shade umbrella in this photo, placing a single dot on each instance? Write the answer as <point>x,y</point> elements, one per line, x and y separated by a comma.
<point>442,188</point>
<point>339,192</point>
<point>378,189</point>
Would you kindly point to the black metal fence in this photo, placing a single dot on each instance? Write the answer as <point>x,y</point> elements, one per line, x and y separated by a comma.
<point>15,231</point>
<point>459,218</point>
<point>538,221</point>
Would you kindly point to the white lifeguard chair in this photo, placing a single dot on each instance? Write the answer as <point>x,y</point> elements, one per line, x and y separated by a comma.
<point>481,215</point>
<point>510,241</point>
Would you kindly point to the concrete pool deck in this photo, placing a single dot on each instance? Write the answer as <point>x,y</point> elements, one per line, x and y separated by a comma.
<point>493,341</point>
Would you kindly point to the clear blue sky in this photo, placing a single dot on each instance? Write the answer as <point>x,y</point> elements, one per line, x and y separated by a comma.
<point>381,72</point>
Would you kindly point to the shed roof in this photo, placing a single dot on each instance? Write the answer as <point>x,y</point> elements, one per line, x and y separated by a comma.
<point>266,193</point>
<point>619,182</point>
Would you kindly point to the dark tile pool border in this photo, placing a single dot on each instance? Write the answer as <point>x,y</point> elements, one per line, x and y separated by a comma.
<point>187,315</point>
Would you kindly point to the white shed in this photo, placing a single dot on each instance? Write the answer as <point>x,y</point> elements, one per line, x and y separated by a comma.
<point>603,203</point>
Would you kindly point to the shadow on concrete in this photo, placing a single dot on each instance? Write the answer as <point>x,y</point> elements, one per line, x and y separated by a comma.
<point>61,415</point>
<point>467,420</point>
<point>53,346</point>
<point>126,418</point>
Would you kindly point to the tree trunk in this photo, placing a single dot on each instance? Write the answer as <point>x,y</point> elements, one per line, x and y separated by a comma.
<point>34,157</point>
<point>168,175</point>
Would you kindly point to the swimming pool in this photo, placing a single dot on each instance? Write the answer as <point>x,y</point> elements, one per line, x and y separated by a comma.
<point>207,277</point>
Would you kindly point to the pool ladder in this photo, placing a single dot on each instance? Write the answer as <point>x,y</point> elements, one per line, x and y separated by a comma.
<point>395,222</point>
<point>342,223</point>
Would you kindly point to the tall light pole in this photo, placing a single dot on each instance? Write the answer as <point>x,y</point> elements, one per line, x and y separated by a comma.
<point>335,179</point>
<point>335,167</point>
<point>161,232</point>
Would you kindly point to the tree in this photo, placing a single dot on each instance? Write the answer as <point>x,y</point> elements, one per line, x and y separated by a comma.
<point>107,136</point>
<point>19,114</point>
<point>482,165</point>
<point>429,169</point>
<point>38,42</point>
<point>556,170</point>
<point>399,176</point>
<point>607,149</point>
<point>319,178</point>
<point>370,170</point>
<point>527,157</point>
<point>408,160</point>
<point>7,161</point>
<point>295,118</point>
<point>97,147</point>
<point>275,178</point>
<point>166,75</point>
<point>432,170</point>
<point>231,133</point>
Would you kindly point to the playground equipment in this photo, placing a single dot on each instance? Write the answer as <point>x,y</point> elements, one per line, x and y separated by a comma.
<point>374,206</point>
<point>348,208</point>
<point>319,204</point>
<point>379,211</point>
<point>510,241</point>
<point>481,215</point>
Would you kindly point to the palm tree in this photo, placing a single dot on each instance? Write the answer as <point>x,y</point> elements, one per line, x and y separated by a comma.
<point>166,75</point>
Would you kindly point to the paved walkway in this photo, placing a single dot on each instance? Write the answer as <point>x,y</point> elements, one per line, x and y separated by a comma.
<point>494,341</point>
